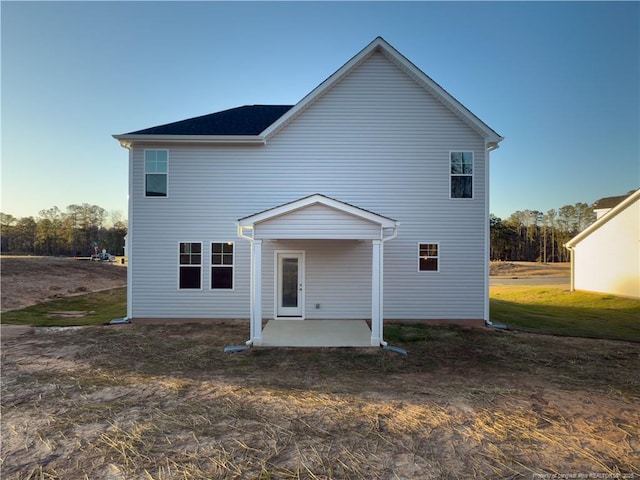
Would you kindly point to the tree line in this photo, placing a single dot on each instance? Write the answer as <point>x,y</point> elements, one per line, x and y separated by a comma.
<point>527,235</point>
<point>75,232</point>
<point>533,236</point>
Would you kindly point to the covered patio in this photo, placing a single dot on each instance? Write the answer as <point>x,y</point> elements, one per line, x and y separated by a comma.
<point>316,217</point>
<point>316,333</point>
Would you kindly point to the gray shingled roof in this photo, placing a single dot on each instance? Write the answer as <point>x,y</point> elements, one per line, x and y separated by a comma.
<point>610,202</point>
<point>246,120</point>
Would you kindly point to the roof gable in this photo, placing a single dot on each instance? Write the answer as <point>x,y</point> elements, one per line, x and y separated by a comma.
<point>620,207</point>
<point>317,199</point>
<point>255,124</point>
<point>380,45</point>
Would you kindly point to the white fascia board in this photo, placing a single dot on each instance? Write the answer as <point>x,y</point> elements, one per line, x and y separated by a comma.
<point>631,199</point>
<point>384,222</point>
<point>379,44</point>
<point>128,139</point>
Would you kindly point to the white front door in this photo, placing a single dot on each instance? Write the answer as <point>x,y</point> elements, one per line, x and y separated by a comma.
<point>289,284</point>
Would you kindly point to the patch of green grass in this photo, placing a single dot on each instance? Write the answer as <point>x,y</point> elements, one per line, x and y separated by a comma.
<point>561,312</point>
<point>103,307</point>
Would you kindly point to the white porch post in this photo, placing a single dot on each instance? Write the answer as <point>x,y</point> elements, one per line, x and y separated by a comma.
<point>256,292</point>
<point>376,293</point>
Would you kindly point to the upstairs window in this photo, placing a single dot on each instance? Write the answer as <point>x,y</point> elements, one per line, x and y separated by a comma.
<point>222,265</point>
<point>190,265</point>
<point>461,174</point>
<point>155,173</point>
<point>428,257</point>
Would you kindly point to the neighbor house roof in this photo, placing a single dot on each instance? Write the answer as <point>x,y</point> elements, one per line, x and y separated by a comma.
<point>620,207</point>
<point>610,202</point>
<point>246,120</point>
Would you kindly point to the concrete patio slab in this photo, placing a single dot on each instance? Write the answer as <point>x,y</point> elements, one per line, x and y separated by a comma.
<point>316,333</point>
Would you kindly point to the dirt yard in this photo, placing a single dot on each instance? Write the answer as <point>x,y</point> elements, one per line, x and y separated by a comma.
<point>28,281</point>
<point>31,280</point>
<point>161,402</point>
<point>529,269</point>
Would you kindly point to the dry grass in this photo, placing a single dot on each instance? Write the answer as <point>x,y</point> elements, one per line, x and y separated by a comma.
<point>164,402</point>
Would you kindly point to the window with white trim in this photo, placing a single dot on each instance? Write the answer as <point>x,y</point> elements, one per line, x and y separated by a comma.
<point>428,257</point>
<point>222,265</point>
<point>155,173</point>
<point>190,265</point>
<point>461,174</point>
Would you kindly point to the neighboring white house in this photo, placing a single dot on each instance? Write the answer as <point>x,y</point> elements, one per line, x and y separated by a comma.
<point>605,257</point>
<point>366,200</point>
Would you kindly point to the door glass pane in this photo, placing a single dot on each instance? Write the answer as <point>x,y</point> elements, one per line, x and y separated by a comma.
<point>289,282</point>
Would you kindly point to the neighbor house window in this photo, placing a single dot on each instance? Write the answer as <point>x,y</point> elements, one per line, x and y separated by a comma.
<point>155,173</point>
<point>428,257</point>
<point>222,265</point>
<point>190,265</point>
<point>461,174</point>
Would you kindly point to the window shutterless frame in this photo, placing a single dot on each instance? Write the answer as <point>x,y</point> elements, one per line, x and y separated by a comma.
<point>156,173</point>
<point>428,257</point>
<point>461,175</point>
<point>222,263</point>
<point>189,266</point>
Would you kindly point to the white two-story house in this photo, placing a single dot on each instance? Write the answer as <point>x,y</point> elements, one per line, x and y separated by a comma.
<point>367,200</point>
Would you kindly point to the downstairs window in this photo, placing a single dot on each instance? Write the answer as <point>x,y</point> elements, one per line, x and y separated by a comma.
<point>222,265</point>
<point>428,257</point>
<point>190,265</point>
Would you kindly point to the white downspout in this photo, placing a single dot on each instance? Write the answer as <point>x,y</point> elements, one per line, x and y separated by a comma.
<point>130,235</point>
<point>382,241</point>
<point>241,234</point>
<point>487,236</point>
<point>572,287</point>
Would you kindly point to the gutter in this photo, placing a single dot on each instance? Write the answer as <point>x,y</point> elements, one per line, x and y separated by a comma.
<point>127,140</point>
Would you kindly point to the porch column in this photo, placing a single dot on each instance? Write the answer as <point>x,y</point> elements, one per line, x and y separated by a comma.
<point>376,294</point>
<point>256,292</point>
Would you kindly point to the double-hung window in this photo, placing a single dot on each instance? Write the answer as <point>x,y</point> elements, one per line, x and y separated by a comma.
<point>222,265</point>
<point>461,174</point>
<point>155,173</point>
<point>190,265</point>
<point>428,257</point>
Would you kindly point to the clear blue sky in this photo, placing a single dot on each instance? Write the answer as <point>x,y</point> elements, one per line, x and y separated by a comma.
<point>561,81</point>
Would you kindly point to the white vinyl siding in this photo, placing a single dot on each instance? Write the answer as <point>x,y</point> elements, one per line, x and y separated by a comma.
<point>608,259</point>
<point>378,141</point>
<point>319,222</point>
